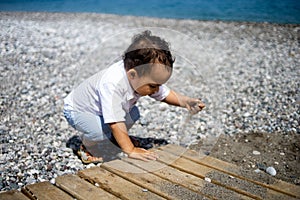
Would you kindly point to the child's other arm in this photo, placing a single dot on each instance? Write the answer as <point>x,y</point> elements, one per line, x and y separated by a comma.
<point>119,131</point>
<point>192,104</point>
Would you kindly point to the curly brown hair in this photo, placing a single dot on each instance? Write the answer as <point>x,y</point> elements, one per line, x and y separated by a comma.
<point>147,48</point>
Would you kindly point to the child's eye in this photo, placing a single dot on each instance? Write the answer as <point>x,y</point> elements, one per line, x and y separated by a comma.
<point>153,86</point>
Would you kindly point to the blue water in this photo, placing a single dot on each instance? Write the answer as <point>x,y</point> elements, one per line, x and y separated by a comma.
<point>276,11</point>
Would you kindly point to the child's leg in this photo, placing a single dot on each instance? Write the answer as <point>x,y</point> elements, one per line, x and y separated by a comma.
<point>94,130</point>
<point>93,124</point>
<point>90,127</point>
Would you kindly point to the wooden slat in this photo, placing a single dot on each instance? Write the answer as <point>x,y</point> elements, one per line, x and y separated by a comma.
<point>81,189</point>
<point>231,169</point>
<point>152,182</point>
<point>189,181</point>
<point>236,184</point>
<point>12,195</point>
<point>45,191</point>
<point>116,185</point>
<point>287,188</point>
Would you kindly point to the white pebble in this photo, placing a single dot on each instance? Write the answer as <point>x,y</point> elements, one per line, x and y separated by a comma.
<point>52,181</point>
<point>256,153</point>
<point>257,170</point>
<point>163,106</point>
<point>271,171</point>
<point>64,125</point>
<point>207,179</point>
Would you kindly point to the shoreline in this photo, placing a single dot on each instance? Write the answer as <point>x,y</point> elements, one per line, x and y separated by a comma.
<point>93,15</point>
<point>247,74</point>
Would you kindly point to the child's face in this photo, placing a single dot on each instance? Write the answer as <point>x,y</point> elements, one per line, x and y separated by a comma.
<point>149,84</point>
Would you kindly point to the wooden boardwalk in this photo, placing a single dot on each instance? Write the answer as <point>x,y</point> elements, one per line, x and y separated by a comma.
<point>177,174</point>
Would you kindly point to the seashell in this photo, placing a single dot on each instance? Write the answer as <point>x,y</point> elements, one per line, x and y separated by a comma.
<point>271,171</point>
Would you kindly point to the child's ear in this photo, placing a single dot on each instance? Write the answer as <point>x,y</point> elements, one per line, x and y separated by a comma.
<point>132,73</point>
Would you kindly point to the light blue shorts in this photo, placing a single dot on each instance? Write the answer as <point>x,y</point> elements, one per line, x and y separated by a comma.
<point>93,129</point>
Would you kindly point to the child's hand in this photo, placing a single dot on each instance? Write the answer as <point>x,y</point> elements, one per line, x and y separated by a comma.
<point>142,154</point>
<point>194,105</point>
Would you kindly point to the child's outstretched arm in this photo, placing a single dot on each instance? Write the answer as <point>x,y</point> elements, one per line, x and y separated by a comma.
<point>119,131</point>
<point>192,104</point>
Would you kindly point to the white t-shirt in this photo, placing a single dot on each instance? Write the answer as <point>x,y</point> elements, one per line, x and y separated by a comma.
<point>108,94</point>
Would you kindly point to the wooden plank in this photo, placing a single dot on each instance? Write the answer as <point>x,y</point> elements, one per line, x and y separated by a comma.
<point>196,156</point>
<point>189,181</point>
<point>45,191</point>
<point>12,195</point>
<point>116,185</point>
<point>287,188</point>
<point>233,170</point>
<point>233,183</point>
<point>81,189</point>
<point>150,181</point>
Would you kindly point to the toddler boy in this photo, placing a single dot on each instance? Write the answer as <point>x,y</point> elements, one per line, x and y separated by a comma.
<point>103,106</point>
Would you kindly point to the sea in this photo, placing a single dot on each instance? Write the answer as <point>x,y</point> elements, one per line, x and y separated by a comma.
<point>272,11</point>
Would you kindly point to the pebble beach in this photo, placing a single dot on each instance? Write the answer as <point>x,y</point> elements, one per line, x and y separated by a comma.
<point>246,73</point>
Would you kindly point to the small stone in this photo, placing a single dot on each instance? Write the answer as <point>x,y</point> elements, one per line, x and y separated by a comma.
<point>52,181</point>
<point>64,125</point>
<point>257,170</point>
<point>143,121</point>
<point>163,106</point>
<point>30,180</point>
<point>33,171</point>
<point>207,179</point>
<point>48,167</point>
<point>271,171</point>
<point>247,114</point>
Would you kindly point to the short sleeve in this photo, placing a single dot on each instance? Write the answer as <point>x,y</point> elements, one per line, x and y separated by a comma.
<point>162,93</point>
<point>111,101</point>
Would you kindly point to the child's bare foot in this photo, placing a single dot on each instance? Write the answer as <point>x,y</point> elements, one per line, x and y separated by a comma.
<point>86,157</point>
